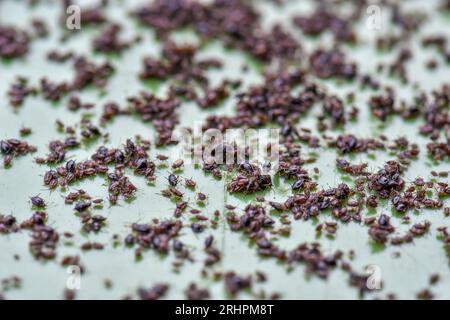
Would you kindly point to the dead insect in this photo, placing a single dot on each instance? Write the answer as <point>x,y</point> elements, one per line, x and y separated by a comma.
<point>177,245</point>
<point>209,241</point>
<point>7,160</point>
<point>246,167</point>
<point>277,205</point>
<point>162,157</point>
<point>25,131</point>
<point>38,202</point>
<point>298,184</point>
<point>182,205</point>
<point>190,183</point>
<point>196,227</point>
<point>129,240</point>
<point>166,193</point>
<point>176,192</point>
<point>177,164</point>
<point>40,160</point>
<point>217,174</point>
<point>201,196</point>
<point>434,278</point>
<point>70,166</point>
<point>5,147</point>
<point>82,206</point>
<point>173,180</point>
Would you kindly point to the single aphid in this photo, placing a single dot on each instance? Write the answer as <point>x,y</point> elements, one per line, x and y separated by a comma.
<point>38,202</point>
<point>177,164</point>
<point>173,180</point>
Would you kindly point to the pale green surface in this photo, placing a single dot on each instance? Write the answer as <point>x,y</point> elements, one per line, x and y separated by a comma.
<point>404,276</point>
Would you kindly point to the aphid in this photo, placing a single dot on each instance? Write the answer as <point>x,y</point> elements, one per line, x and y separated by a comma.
<point>7,160</point>
<point>190,183</point>
<point>38,202</point>
<point>162,157</point>
<point>5,147</point>
<point>209,241</point>
<point>217,174</point>
<point>98,246</point>
<point>102,169</point>
<point>49,176</point>
<point>166,193</point>
<point>177,164</point>
<point>82,206</point>
<point>277,205</point>
<point>173,180</point>
<point>429,203</point>
<point>247,167</point>
<point>372,201</point>
<point>201,196</point>
<point>60,125</point>
<point>24,131</point>
<point>434,278</point>
<point>113,176</point>
<point>108,283</point>
<point>129,240</point>
<point>141,163</point>
<point>319,228</point>
<point>383,220</point>
<point>298,184</point>
<point>70,166</point>
<point>266,167</point>
<point>40,160</point>
<point>176,192</point>
<point>182,205</point>
<point>90,171</point>
<point>196,227</point>
<point>177,245</point>
<point>98,218</point>
<point>425,294</point>
<point>61,171</point>
<point>443,174</point>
